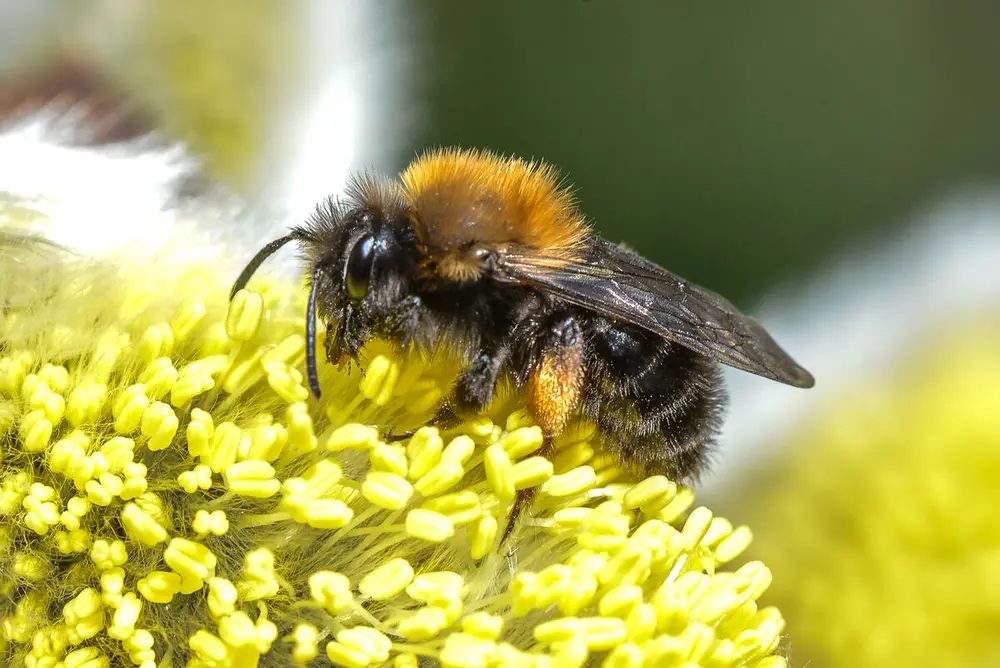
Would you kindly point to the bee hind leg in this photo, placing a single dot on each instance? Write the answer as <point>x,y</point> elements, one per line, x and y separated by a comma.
<point>553,395</point>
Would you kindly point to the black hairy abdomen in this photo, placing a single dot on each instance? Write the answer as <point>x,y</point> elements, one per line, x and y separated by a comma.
<point>660,404</point>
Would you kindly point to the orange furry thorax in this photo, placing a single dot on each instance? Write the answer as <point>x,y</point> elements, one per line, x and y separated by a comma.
<point>463,201</point>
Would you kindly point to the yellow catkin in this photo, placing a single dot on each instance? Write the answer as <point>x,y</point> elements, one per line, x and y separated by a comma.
<point>881,523</point>
<point>177,460</point>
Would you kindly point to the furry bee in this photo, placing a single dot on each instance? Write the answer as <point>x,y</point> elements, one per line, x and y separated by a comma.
<point>490,257</point>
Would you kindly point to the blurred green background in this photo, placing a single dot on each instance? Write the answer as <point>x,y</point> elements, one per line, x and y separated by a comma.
<point>738,143</point>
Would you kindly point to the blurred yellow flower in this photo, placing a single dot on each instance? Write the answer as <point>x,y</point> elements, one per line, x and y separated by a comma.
<point>882,524</point>
<point>171,495</point>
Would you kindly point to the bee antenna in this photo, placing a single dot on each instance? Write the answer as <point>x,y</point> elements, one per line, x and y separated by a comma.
<point>258,259</point>
<point>311,368</point>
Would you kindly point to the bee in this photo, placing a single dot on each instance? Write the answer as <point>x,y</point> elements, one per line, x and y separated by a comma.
<point>490,257</point>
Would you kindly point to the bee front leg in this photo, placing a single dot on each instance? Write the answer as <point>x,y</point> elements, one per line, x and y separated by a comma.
<point>471,394</point>
<point>474,388</point>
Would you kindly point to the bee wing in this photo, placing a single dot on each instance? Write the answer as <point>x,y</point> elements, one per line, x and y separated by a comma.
<point>619,284</point>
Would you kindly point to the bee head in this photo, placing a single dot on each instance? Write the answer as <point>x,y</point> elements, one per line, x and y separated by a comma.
<point>361,259</point>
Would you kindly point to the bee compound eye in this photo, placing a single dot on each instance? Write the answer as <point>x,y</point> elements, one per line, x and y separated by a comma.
<point>359,268</point>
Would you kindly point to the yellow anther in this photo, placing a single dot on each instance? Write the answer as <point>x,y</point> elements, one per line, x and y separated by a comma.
<point>244,373</point>
<point>324,513</point>
<point>483,625</point>
<point>252,478</point>
<point>84,615</point>
<point>85,402</point>
<point>198,478</point>
<point>107,555</point>
<point>437,588</point>
<point>424,624</point>
<point>460,507</point>
<point>462,650</point>
<point>570,518</point>
<point>301,435</point>
<point>677,505</point>
<point>517,420</point>
<point>651,494</point>
<point>259,580</point>
<point>499,472</point>
<point>441,478</point>
<point>156,342</point>
<point>224,448</point>
<point>72,542</point>
<point>286,383</point>
<point>35,431</point>
<point>158,377</point>
<point>306,638</point>
<point>733,545</point>
<point>755,577</point>
<point>135,481</point>
<point>573,482</point>
<point>531,472</point>
<point>214,522</point>
<point>409,660</point>
<point>221,597</point>
<point>387,490</point>
<point>599,633</point>
<point>352,437</point>
<point>630,566</point>
<point>696,527</point>
<point>42,512</point>
<point>209,648</point>
<point>112,586</point>
<point>188,316</point>
<point>125,617</point>
<point>332,591</point>
<point>424,451</point>
<point>289,351</point>
<point>188,386</point>
<point>572,456</point>
<point>429,525</point>
<point>129,407</point>
<point>139,646</point>
<point>387,580</point>
<point>118,452</point>
<point>482,536</point>
<point>389,458</point>
<point>159,586</point>
<point>459,450</point>
<point>244,316</point>
<point>194,562</point>
<point>347,657</point>
<point>200,431</point>
<point>214,340</point>
<point>628,655</point>
<point>237,630</point>
<point>371,643</point>
<point>521,442</point>
<point>86,657</point>
<point>267,442</point>
<point>379,380</point>
<point>620,601</point>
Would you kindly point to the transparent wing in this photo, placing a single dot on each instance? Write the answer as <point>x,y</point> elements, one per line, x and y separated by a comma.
<point>621,285</point>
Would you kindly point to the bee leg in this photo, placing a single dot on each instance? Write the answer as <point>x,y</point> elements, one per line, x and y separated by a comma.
<point>553,395</point>
<point>473,390</point>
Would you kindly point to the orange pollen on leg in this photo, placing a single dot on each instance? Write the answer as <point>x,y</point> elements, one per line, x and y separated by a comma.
<point>554,388</point>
